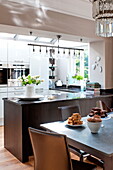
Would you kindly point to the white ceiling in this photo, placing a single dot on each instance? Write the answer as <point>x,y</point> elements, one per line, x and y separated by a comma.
<point>40,33</point>
<point>81,8</point>
<point>14,8</point>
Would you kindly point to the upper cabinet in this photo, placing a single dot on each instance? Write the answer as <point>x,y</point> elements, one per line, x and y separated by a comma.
<point>14,52</point>
<point>3,51</point>
<point>18,52</point>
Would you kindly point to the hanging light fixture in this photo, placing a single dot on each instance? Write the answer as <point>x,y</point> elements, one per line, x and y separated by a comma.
<point>40,49</point>
<point>58,38</point>
<point>69,52</point>
<point>46,50</point>
<point>64,51</point>
<point>74,55</point>
<point>103,14</point>
<point>33,49</point>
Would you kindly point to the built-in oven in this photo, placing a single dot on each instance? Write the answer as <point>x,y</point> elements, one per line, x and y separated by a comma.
<point>9,73</point>
<point>15,71</point>
<point>3,75</point>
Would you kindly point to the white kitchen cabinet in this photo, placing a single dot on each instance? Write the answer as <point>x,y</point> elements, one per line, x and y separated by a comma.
<point>18,52</point>
<point>14,52</point>
<point>15,94</point>
<point>16,91</point>
<point>39,65</point>
<point>3,94</point>
<point>16,88</point>
<point>3,51</point>
<point>9,92</point>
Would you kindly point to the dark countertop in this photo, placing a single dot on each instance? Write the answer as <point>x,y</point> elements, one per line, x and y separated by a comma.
<point>70,88</point>
<point>54,96</point>
<point>77,88</point>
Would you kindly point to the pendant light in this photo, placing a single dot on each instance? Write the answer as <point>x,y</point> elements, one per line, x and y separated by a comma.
<point>33,49</point>
<point>103,15</point>
<point>58,38</point>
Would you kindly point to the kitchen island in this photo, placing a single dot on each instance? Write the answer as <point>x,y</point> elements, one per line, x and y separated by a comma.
<point>19,115</point>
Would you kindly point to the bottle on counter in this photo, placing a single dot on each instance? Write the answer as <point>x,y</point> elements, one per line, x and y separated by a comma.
<point>83,85</point>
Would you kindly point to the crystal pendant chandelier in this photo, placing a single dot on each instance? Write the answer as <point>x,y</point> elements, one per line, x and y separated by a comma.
<point>103,14</point>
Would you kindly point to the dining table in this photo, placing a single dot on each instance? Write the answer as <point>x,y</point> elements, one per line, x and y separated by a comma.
<point>98,144</point>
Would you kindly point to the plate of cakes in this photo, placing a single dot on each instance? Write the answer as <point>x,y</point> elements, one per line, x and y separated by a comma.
<point>75,120</point>
<point>97,111</point>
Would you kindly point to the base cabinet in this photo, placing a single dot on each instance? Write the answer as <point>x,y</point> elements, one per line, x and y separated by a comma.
<point>2,95</point>
<point>7,93</point>
<point>17,119</point>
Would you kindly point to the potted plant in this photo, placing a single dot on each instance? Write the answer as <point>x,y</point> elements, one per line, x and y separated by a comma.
<point>77,77</point>
<point>29,81</point>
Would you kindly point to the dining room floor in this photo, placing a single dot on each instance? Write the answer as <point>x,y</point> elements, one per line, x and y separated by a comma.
<point>9,162</point>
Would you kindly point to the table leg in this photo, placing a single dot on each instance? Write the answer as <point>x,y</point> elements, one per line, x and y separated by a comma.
<point>108,163</point>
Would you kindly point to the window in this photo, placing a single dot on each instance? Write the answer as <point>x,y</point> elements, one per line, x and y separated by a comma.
<point>86,65</point>
<point>77,62</point>
<point>80,62</point>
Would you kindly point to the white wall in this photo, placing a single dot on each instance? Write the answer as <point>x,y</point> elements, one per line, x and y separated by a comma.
<point>97,49</point>
<point>103,49</point>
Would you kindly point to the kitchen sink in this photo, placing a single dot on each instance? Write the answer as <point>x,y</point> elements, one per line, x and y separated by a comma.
<point>69,90</point>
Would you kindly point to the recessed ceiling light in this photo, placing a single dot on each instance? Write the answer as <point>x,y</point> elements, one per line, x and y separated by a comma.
<point>45,40</point>
<point>26,37</point>
<point>6,35</point>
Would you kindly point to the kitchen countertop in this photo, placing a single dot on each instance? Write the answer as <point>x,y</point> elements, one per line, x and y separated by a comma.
<point>54,96</point>
<point>70,88</point>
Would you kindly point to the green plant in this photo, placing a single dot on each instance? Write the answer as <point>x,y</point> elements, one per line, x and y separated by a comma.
<point>75,76</point>
<point>78,77</point>
<point>29,80</point>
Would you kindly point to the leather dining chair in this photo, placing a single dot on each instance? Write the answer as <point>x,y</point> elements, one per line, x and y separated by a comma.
<point>65,112</point>
<point>103,106</point>
<point>51,152</point>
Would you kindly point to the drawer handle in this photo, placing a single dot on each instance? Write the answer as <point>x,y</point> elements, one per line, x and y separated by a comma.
<point>17,93</point>
<point>18,88</point>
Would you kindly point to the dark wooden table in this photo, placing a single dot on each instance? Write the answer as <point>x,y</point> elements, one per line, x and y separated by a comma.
<point>99,145</point>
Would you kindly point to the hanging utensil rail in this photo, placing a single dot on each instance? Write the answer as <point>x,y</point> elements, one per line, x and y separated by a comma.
<point>49,46</point>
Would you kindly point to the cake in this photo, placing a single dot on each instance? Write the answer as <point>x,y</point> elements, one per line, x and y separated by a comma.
<point>75,119</point>
<point>98,111</point>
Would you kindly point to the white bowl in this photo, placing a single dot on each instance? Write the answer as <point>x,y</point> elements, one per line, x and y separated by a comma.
<point>94,126</point>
